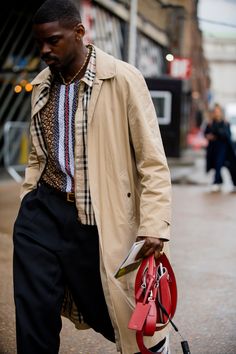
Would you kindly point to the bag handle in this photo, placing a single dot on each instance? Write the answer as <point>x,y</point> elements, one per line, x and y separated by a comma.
<point>144,318</point>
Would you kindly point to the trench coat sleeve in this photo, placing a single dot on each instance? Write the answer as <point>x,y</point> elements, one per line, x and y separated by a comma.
<point>151,163</point>
<point>32,173</point>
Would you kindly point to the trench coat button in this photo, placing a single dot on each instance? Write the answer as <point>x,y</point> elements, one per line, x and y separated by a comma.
<point>129,195</point>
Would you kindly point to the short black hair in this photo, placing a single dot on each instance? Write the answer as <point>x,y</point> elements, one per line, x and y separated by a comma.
<point>63,11</point>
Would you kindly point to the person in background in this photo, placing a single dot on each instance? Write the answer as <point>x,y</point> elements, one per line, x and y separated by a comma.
<point>220,152</point>
<point>97,180</point>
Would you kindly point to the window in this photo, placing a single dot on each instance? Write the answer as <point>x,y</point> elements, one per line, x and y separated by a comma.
<point>162,103</point>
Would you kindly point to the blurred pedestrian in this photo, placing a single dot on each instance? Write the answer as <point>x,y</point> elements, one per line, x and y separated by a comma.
<point>97,180</point>
<point>220,151</point>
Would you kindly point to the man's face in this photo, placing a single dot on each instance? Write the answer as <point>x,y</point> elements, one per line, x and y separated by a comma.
<point>57,44</point>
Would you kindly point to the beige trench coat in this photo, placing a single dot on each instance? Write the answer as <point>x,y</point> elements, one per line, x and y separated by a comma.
<point>128,175</point>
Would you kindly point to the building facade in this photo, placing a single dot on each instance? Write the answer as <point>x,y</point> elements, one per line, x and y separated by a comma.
<point>221,55</point>
<point>163,27</point>
<point>151,28</point>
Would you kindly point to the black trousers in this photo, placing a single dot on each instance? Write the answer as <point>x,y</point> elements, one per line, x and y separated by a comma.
<point>53,250</point>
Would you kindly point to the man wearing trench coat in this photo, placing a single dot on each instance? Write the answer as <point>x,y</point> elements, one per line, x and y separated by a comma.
<point>128,176</point>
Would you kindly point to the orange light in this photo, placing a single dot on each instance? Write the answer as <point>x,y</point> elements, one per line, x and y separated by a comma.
<point>28,87</point>
<point>17,88</point>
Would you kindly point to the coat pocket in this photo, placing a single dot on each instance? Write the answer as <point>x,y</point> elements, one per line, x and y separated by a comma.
<point>127,196</point>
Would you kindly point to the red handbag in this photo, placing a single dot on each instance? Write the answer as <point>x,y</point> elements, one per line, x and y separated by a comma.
<point>156,298</point>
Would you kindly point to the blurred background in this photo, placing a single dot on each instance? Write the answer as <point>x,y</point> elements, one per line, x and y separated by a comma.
<point>186,50</point>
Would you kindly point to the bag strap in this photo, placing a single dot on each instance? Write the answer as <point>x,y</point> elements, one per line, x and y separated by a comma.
<point>150,326</point>
<point>144,317</point>
<point>139,338</point>
<point>151,266</point>
<point>151,290</point>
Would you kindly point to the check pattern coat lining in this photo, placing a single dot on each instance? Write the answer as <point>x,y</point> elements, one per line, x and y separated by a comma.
<point>82,189</point>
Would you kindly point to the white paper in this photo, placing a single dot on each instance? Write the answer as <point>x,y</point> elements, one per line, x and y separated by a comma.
<point>130,259</point>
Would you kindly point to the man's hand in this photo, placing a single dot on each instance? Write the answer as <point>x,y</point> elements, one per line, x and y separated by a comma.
<point>151,245</point>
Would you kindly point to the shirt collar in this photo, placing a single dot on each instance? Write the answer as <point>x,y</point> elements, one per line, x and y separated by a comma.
<point>105,68</point>
<point>90,72</point>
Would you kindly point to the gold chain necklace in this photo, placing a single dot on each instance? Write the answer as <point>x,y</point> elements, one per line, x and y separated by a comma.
<point>81,68</point>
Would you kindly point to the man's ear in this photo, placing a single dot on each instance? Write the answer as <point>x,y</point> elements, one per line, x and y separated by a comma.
<point>79,31</point>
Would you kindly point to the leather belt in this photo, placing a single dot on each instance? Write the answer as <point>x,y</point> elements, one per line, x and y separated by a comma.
<point>70,197</point>
<point>67,196</point>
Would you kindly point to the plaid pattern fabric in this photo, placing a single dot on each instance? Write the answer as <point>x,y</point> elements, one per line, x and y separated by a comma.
<point>85,208</point>
<point>82,190</point>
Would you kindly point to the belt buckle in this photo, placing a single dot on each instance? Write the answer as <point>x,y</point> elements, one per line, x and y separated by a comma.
<point>70,197</point>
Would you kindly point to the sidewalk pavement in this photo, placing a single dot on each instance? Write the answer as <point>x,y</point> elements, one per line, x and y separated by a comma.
<point>190,169</point>
<point>203,256</point>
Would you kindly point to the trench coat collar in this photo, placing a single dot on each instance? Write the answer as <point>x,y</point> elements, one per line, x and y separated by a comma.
<point>105,68</point>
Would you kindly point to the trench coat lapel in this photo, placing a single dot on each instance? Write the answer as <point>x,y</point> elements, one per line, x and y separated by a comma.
<point>105,69</point>
<point>95,93</point>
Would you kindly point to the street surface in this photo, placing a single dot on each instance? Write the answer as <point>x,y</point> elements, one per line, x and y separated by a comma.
<point>203,253</point>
